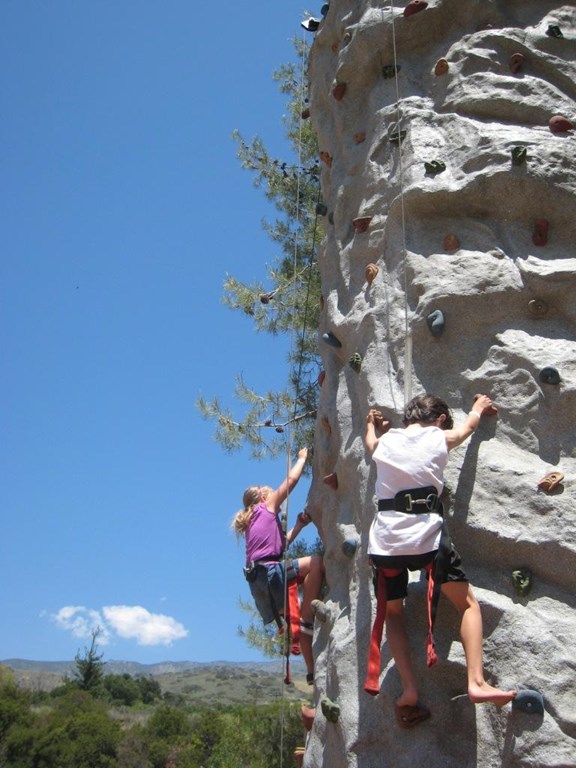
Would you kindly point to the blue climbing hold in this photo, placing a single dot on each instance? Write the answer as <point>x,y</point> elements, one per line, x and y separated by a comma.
<point>436,322</point>
<point>531,702</point>
<point>349,547</point>
<point>331,340</point>
<point>324,10</point>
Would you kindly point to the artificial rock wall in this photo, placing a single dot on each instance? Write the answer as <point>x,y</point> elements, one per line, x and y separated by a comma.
<point>451,179</point>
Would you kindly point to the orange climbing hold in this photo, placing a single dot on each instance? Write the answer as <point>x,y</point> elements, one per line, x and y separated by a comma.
<point>516,63</point>
<point>441,67</point>
<point>326,157</point>
<point>551,481</point>
<point>560,124</point>
<point>370,273</point>
<point>451,243</point>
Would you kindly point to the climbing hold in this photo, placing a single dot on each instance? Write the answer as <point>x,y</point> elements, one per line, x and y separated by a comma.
<point>554,31</point>
<point>349,547</point>
<point>280,429</point>
<point>540,233</point>
<point>265,297</point>
<point>321,209</point>
<point>305,113</point>
<point>346,37</point>
<point>321,302</point>
<point>516,63</point>
<point>451,242</point>
<point>551,481</point>
<point>441,67</point>
<point>415,6</point>
<point>321,377</point>
<point>519,155</point>
<point>549,375</point>
<point>370,273</point>
<point>359,137</point>
<point>326,425</point>
<point>434,167</point>
<point>334,47</point>
<point>436,322</point>
<point>390,70</point>
<point>490,410</point>
<point>320,610</point>
<point>396,136</point>
<point>530,702</point>
<point>308,715</point>
<point>324,10</point>
<point>355,362</point>
<point>331,340</point>
<point>311,24</point>
<point>332,480</point>
<point>538,307</point>
<point>522,581</point>
<point>330,710</point>
<point>331,217</point>
<point>338,91</point>
<point>361,223</point>
<point>326,157</point>
<point>560,124</point>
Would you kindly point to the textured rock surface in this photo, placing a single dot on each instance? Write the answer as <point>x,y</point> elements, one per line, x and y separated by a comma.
<point>509,311</point>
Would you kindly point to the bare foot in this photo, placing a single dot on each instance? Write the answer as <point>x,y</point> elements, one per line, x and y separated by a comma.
<point>407,699</point>
<point>484,693</point>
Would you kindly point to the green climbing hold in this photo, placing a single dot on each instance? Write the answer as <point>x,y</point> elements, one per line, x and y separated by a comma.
<point>355,362</point>
<point>435,167</point>
<point>436,322</point>
<point>549,375</point>
<point>522,581</point>
<point>519,155</point>
<point>330,710</point>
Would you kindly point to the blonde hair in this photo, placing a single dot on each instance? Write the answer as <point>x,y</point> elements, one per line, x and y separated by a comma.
<point>252,496</point>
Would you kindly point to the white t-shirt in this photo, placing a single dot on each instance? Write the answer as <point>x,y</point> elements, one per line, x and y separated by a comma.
<point>414,457</point>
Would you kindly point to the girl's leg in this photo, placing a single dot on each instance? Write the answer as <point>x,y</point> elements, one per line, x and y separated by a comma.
<point>461,596</point>
<point>311,572</point>
<point>397,639</point>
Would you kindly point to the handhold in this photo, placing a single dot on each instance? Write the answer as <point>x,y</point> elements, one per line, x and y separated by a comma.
<point>311,24</point>
<point>551,481</point>
<point>530,702</point>
<point>355,362</point>
<point>436,322</point>
<point>346,38</point>
<point>331,340</point>
<point>540,233</point>
<point>321,377</point>
<point>326,425</point>
<point>361,223</point>
<point>308,715</point>
<point>522,581</point>
<point>434,167</point>
<point>560,124</point>
<point>390,70</point>
<point>324,10</point>
<point>330,710</point>
<point>349,547</point>
<point>331,217</point>
<point>320,610</point>
<point>451,242</point>
<point>396,136</point>
<point>516,63</point>
<point>332,480</point>
<point>280,429</point>
<point>441,67</point>
<point>321,209</point>
<point>321,302</point>
<point>326,157</point>
<point>338,91</point>
<point>265,297</point>
<point>554,31</point>
<point>415,6</point>
<point>305,113</point>
<point>549,375</point>
<point>335,46</point>
<point>359,137</point>
<point>538,307</point>
<point>370,273</point>
<point>519,155</point>
<point>490,410</point>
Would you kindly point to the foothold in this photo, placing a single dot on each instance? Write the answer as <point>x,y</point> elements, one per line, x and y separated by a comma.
<point>349,547</point>
<point>434,167</point>
<point>331,340</point>
<point>332,480</point>
<point>355,362</point>
<point>326,157</point>
<point>346,38</point>
<point>321,302</point>
<point>519,155</point>
<point>540,233</point>
<point>538,307</point>
<point>530,702</point>
<point>560,124</point>
<point>334,47</point>
<point>370,273</point>
<point>441,67</point>
<point>436,322</point>
<point>549,375</point>
<point>324,10</point>
<point>551,481</point>
<point>265,297</point>
<point>451,242</point>
<point>522,581</point>
<point>338,91</point>
<point>516,63</point>
<point>320,610</point>
<point>321,209</point>
<point>490,410</point>
<point>331,217</point>
<point>326,425</point>
<point>280,429</point>
<point>396,136</point>
<point>415,6</point>
<point>359,137</point>
<point>390,70</point>
<point>330,710</point>
<point>311,24</point>
<point>554,31</point>
<point>361,223</point>
<point>308,715</point>
<point>321,377</point>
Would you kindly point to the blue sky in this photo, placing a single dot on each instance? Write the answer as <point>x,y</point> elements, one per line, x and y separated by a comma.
<point>123,207</point>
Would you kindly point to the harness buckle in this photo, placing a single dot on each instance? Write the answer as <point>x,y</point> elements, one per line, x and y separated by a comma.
<point>430,502</point>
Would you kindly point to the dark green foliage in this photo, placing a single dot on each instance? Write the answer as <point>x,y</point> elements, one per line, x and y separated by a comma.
<point>90,667</point>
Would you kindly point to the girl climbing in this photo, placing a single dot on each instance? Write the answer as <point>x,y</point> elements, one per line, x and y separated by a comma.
<point>408,533</point>
<point>266,572</point>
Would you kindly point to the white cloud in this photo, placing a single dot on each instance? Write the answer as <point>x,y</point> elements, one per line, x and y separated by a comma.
<point>131,622</point>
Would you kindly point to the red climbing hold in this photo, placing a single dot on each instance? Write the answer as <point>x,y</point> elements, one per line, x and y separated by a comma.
<point>308,715</point>
<point>326,157</point>
<point>321,377</point>
<point>560,124</point>
<point>516,63</point>
<point>451,242</point>
<point>361,223</point>
<point>540,233</point>
<point>332,480</point>
<point>415,6</point>
<point>306,113</point>
<point>338,91</point>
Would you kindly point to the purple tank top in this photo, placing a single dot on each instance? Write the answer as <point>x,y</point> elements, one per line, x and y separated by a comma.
<point>264,536</point>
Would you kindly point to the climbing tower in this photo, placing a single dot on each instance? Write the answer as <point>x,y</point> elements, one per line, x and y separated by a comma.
<point>447,133</point>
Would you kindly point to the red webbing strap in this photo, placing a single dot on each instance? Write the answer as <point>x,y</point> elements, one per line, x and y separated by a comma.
<point>292,614</point>
<point>431,657</point>
<point>372,681</point>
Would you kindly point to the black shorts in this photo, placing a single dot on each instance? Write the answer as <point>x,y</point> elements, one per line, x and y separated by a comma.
<point>397,586</point>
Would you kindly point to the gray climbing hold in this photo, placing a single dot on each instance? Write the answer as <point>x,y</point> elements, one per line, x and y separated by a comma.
<point>549,375</point>
<point>531,702</point>
<point>330,710</point>
<point>436,322</point>
<point>349,547</point>
<point>355,362</point>
<point>519,155</point>
<point>331,340</point>
<point>434,167</point>
<point>522,581</point>
<point>554,31</point>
